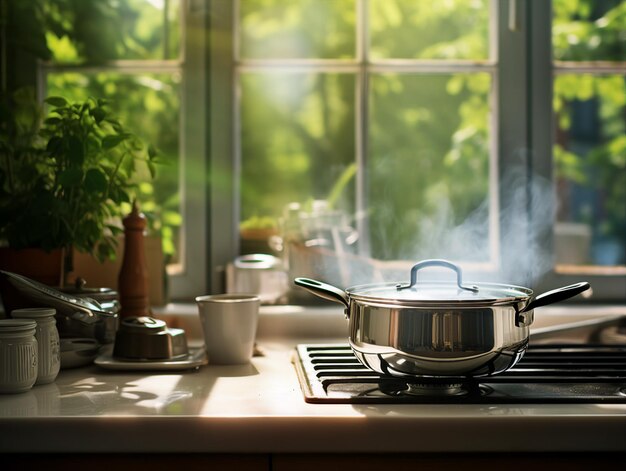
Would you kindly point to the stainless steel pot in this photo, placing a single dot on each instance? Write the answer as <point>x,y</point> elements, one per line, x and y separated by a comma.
<point>439,328</point>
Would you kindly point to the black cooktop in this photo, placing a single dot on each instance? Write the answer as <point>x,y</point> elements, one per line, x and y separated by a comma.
<point>562,373</point>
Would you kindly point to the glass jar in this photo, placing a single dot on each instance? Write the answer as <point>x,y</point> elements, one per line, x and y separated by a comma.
<point>47,337</point>
<point>18,351</point>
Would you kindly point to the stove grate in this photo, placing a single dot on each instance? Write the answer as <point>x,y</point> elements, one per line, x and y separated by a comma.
<point>330,373</point>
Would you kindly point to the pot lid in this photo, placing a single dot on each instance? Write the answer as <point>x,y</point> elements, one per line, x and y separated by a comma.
<point>80,290</point>
<point>439,291</point>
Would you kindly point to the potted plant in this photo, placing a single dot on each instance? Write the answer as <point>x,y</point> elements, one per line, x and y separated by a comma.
<point>63,183</point>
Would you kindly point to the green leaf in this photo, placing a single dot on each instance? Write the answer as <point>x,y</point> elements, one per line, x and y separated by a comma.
<point>124,196</point>
<point>52,120</point>
<point>118,195</point>
<point>98,114</point>
<point>152,152</point>
<point>114,123</point>
<point>109,142</point>
<point>95,181</point>
<point>115,230</point>
<point>173,218</point>
<point>152,169</point>
<point>56,101</point>
<point>93,143</point>
<point>55,146</point>
<point>71,177</point>
<point>76,153</point>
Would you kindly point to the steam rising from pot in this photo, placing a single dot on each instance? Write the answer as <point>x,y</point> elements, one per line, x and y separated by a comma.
<point>513,245</point>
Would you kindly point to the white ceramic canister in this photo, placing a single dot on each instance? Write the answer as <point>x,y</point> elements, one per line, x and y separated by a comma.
<point>47,337</point>
<point>18,355</point>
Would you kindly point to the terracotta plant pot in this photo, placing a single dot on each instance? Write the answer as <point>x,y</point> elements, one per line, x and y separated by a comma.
<point>36,264</point>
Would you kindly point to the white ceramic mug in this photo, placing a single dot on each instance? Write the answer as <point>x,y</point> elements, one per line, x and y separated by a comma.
<point>229,323</point>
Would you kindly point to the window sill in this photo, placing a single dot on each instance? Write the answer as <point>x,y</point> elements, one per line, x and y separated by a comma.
<point>275,322</point>
<point>313,322</point>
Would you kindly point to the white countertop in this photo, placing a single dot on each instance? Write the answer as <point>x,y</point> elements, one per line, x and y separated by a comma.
<point>259,408</point>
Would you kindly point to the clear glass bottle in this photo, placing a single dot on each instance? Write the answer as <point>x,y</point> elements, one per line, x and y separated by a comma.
<point>18,355</point>
<point>47,337</point>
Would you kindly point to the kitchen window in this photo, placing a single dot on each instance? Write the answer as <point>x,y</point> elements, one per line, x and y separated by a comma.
<point>382,132</point>
<point>404,130</point>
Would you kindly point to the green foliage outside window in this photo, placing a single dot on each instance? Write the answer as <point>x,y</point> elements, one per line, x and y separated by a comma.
<point>428,134</point>
<point>592,156</point>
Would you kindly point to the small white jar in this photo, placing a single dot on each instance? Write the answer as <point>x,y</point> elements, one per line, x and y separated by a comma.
<point>47,337</point>
<point>18,355</point>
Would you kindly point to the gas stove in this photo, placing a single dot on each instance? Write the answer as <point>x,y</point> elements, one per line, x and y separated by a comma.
<point>554,373</point>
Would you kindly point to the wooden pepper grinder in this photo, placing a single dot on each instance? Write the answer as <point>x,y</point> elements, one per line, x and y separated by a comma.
<point>133,276</point>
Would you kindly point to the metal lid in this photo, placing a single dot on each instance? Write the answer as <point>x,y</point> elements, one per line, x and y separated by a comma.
<point>81,290</point>
<point>142,324</point>
<point>257,261</point>
<point>436,292</point>
<point>439,291</point>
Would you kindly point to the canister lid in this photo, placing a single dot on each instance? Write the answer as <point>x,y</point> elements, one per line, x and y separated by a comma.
<point>33,312</point>
<point>17,325</point>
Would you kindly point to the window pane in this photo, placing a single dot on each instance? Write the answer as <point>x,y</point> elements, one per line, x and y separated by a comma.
<point>95,31</point>
<point>589,30</point>
<point>454,29</point>
<point>150,108</point>
<point>590,156</point>
<point>297,144</point>
<point>287,29</point>
<point>428,167</point>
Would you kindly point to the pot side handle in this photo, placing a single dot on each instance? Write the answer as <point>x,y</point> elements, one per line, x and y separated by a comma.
<point>324,290</point>
<point>556,295</point>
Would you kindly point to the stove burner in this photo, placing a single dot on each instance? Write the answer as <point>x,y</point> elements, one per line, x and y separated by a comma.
<point>436,389</point>
<point>546,374</point>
